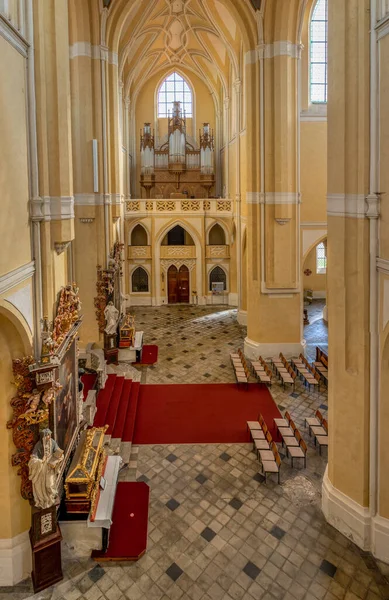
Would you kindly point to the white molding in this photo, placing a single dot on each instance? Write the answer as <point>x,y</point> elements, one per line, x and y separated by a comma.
<point>320,294</point>
<point>11,35</point>
<point>319,224</point>
<point>13,278</point>
<point>15,559</point>
<point>242,317</point>
<point>21,299</point>
<point>94,51</point>
<point>268,51</point>
<point>380,538</point>
<point>383,265</point>
<point>52,208</point>
<point>88,200</point>
<point>346,205</point>
<point>253,197</point>
<point>346,515</point>
<point>382,28</point>
<point>254,349</point>
<point>280,198</point>
<point>315,113</point>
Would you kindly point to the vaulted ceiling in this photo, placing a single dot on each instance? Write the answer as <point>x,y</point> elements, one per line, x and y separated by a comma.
<point>208,37</point>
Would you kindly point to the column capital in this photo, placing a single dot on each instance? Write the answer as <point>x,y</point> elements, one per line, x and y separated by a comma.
<point>373,206</point>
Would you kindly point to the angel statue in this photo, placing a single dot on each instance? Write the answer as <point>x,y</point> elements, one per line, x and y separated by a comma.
<point>111,318</point>
<point>43,465</point>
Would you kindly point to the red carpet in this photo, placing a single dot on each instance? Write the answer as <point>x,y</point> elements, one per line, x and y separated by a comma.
<point>89,380</point>
<point>129,424</point>
<point>149,355</point>
<point>128,533</point>
<point>205,414</point>
<point>103,400</point>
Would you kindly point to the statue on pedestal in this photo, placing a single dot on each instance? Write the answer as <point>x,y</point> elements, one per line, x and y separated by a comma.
<point>43,465</point>
<point>111,318</point>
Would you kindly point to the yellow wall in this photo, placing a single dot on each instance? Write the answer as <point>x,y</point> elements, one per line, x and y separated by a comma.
<point>14,227</point>
<point>317,281</point>
<point>314,171</point>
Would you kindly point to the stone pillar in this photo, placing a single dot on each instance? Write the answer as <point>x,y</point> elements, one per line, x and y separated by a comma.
<point>346,481</point>
<point>274,303</point>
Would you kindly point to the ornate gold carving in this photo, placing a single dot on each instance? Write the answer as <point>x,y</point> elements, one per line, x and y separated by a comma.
<point>206,205</point>
<point>68,310</point>
<point>190,205</point>
<point>132,205</point>
<point>149,205</point>
<point>168,205</point>
<point>223,205</point>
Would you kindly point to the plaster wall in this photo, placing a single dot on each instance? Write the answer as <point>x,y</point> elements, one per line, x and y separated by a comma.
<point>316,281</point>
<point>313,164</point>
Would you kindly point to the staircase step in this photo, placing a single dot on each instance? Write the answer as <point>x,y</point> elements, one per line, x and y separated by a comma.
<point>120,420</point>
<point>129,426</point>
<point>102,401</point>
<point>114,404</point>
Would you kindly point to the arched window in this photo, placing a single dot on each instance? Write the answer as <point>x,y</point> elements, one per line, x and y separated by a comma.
<point>321,259</point>
<point>319,52</point>
<point>217,275</point>
<point>140,280</point>
<point>174,89</point>
<point>139,236</point>
<point>217,237</point>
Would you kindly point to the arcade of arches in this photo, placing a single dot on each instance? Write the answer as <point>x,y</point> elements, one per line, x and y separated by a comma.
<point>199,134</point>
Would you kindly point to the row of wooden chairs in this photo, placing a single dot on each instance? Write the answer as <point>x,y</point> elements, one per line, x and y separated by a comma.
<point>241,369</point>
<point>322,370</point>
<point>267,451</point>
<point>291,438</point>
<point>318,427</point>
<point>284,370</point>
<point>308,375</point>
<point>262,371</point>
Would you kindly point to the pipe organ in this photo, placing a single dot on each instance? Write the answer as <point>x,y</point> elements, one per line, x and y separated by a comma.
<point>177,169</point>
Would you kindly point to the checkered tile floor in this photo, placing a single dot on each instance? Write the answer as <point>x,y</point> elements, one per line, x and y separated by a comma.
<point>216,530</point>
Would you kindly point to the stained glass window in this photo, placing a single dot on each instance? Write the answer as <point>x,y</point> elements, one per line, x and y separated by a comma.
<point>319,52</point>
<point>217,276</point>
<point>140,280</point>
<point>174,89</point>
<point>321,259</point>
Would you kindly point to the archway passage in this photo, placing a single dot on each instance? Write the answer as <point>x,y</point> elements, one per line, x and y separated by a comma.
<point>178,285</point>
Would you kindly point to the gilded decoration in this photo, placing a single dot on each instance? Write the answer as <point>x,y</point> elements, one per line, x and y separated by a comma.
<point>68,313</point>
<point>206,205</point>
<point>149,205</point>
<point>132,205</point>
<point>190,205</point>
<point>168,205</point>
<point>30,412</point>
<point>105,285</point>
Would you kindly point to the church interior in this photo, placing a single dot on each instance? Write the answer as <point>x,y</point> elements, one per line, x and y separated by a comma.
<point>194,299</point>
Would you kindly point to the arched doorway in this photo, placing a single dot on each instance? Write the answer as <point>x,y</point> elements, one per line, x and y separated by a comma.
<point>178,285</point>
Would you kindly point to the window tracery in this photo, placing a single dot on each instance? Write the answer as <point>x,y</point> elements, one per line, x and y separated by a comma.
<point>174,89</point>
<point>319,53</point>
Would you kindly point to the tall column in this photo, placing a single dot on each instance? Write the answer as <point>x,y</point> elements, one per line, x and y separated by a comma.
<point>238,196</point>
<point>274,307</point>
<point>346,482</point>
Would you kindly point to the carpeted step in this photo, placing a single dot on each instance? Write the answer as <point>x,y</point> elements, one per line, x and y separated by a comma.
<point>129,426</point>
<point>102,401</point>
<point>89,380</point>
<point>117,431</point>
<point>114,405</point>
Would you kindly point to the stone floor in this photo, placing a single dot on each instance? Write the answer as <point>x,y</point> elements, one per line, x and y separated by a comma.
<point>316,333</point>
<point>216,530</point>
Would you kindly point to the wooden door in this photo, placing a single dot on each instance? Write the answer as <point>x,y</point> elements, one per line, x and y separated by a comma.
<point>172,276</point>
<point>183,284</point>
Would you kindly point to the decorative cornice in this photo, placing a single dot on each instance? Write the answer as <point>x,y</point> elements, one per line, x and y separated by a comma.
<point>60,247</point>
<point>273,198</point>
<point>9,33</point>
<point>283,221</point>
<point>346,205</point>
<point>373,206</point>
<point>319,224</point>
<point>52,208</point>
<point>13,278</point>
<point>266,51</point>
<point>96,52</point>
<point>88,199</point>
<point>87,220</point>
<point>253,197</point>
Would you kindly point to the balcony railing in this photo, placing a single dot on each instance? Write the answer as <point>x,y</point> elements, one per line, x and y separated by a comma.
<point>178,251</point>
<point>139,252</point>
<point>175,205</point>
<point>217,252</point>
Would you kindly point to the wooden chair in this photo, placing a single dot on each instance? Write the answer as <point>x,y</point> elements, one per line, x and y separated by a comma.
<point>253,426</point>
<point>315,421</point>
<point>263,444</point>
<point>268,453</point>
<point>272,466</point>
<point>283,422</point>
<point>299,452</point>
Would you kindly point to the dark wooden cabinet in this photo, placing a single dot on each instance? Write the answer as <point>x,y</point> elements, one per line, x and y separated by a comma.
<point>46,560</point>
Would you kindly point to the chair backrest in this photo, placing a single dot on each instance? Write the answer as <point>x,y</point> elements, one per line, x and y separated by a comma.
<point>319,415</point>
<point>269,438</point>
<point>278,459</point>
<point>264,427</point>
<point>325,424</point>
<point>292,425</point>
<point>297,435</point>
<point>317,376</point>
<point>260,419</point>
<point>303,446</point>
<point>288,417</point>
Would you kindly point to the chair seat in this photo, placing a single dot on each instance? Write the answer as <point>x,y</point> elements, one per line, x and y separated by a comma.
<point>265,378</point>
<point>313,422</point>
<point>322,440</point>
<point>257,434</point>
<point>296,452</point>
<point>266,455</point>
<point>261,445</point>
<point>287,379</point>
<point>290,442</point>
<point>286,431</point>
<point>235,356</point>
<point>254,425</point>
<point>270,466</point>
<point>318,431</point>
<point>242,379</point>
<point>281,422</point>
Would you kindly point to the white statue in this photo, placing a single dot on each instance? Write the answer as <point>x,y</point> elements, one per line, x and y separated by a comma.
<point>43,466</point>
<point>111,318</point>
